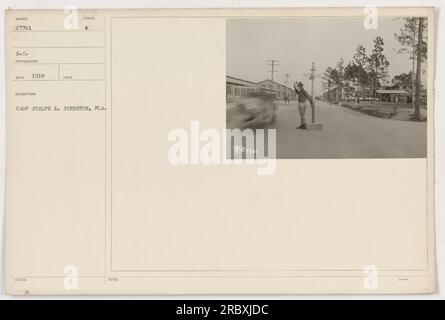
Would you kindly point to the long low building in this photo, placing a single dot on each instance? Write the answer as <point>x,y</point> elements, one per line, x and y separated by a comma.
<point>281,90</point>
<point>236,88</point>
<point>384,95</point>
<point>335,94</point>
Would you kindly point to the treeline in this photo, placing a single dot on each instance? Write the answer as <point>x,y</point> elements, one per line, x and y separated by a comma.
<point>368,71</point>
<point>364,71</point>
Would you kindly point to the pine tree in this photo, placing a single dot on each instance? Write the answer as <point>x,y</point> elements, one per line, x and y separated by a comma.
<point>408,38</point>
<point>378,64</point>
<point>419,63</point>
<point>361,60</point>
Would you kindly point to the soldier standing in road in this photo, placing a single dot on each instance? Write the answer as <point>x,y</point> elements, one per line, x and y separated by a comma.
<point>302,97</point>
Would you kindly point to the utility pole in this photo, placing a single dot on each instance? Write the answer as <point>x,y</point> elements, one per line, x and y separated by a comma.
<point>311,76</point>
<point>287,75</point>
<point>272,64</point>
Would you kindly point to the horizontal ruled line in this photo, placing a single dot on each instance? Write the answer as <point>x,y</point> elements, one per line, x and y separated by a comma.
<point>24,31</point>
<point>61,80</point>
<point>53,63</point>
<point>64,47</point>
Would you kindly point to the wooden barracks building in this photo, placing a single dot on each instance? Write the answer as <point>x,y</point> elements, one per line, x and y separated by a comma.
<point>236,87</point>
<point>280,89</point>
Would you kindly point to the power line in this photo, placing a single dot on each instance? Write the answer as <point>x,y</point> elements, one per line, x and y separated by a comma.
<point>272,63</point>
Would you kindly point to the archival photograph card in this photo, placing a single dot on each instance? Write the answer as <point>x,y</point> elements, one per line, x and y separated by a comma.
<point>220,151</point>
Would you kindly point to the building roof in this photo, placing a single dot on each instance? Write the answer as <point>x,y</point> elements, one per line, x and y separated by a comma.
<point>241,82</point>
<point>277,83</point>
<point>250,84</point>
<point>391,91</point>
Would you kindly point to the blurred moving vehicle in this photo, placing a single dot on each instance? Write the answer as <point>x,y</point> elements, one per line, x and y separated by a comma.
<point>255,110</point>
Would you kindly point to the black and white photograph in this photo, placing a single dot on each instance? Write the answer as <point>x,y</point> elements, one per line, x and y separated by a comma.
<point>232,153</point>
<point>331,87</point>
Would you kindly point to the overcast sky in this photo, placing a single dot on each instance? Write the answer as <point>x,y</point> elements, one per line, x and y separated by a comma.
<point>298,42</point>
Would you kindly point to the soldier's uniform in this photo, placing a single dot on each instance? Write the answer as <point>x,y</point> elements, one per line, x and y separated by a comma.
<point>303,96</point>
